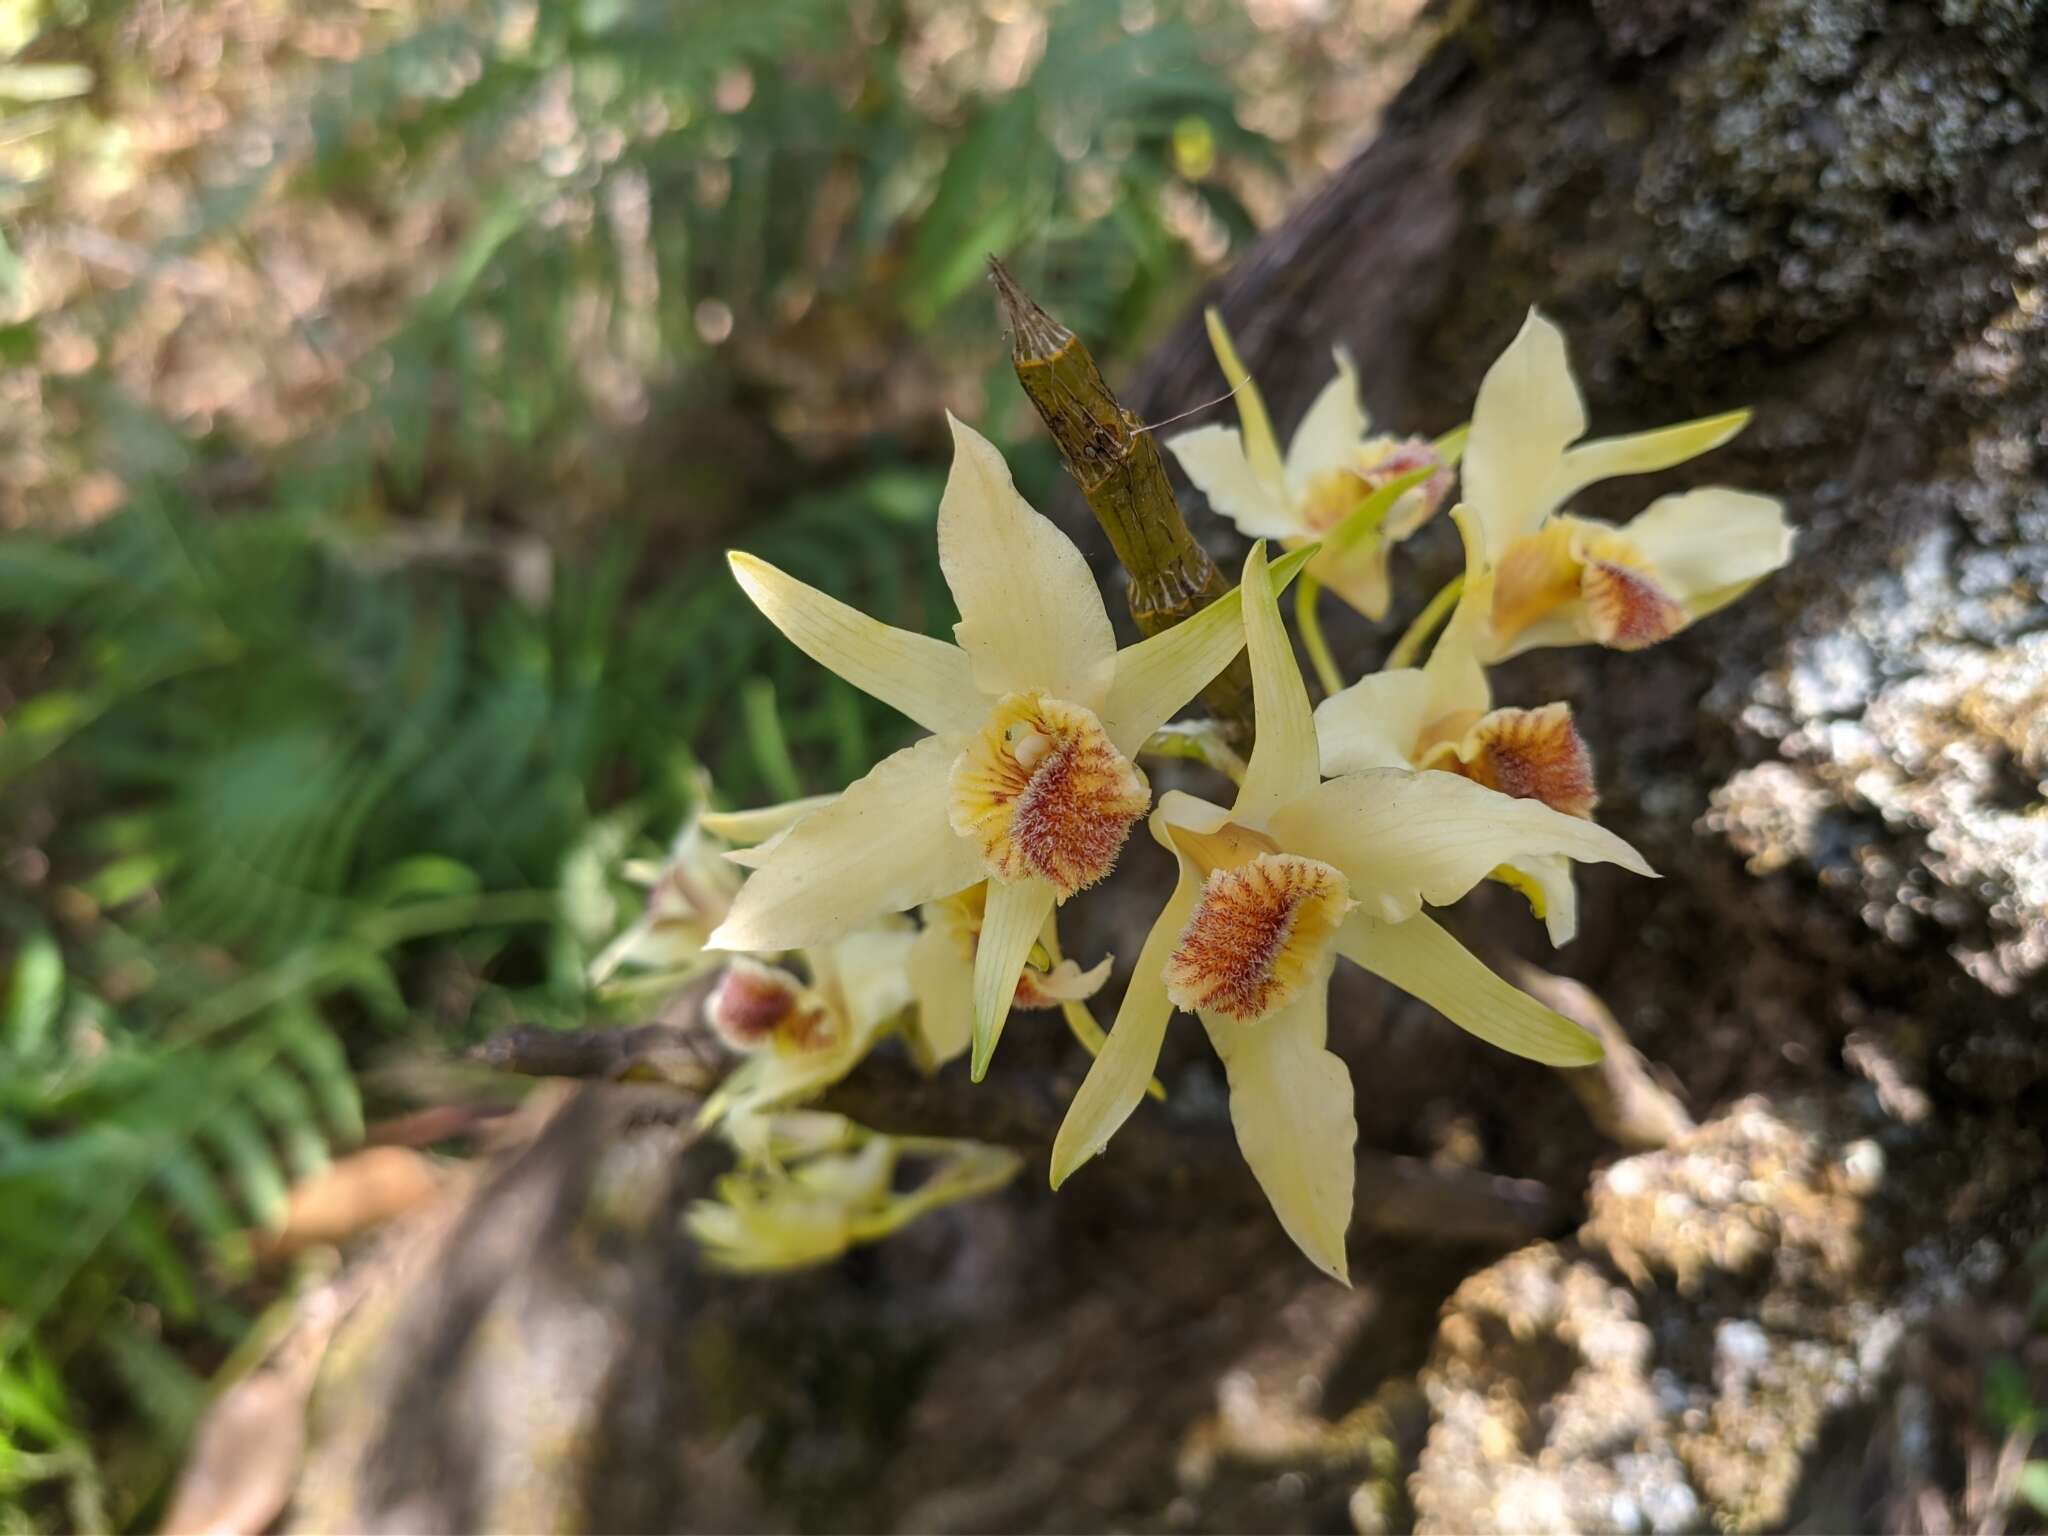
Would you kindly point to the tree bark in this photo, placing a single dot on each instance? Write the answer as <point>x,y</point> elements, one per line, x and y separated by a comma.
<point>1833,212</point>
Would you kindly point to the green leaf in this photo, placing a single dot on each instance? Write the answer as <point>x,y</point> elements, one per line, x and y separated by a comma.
<point>32,1397</point>
<point>2008,1402</point>
<point>310,1045</point>
<point>35,990</point>
<point>188,1182</point>
<point>764,735</point>
<point>424,877</point>
<point>40,727</point>
<point>122,881</point>
<point>2033,1485</point>
<point>166,1389</point>
<point>251,1165</point>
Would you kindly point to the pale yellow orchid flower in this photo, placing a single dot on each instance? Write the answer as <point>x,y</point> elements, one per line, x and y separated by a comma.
<point>943,956</point>
<point>801,1037</point>
<point>815,1185</point>
<point>688,895</point>
<point>1441,716</point>
<point>942,976</point>
<point>1027,780</point>
<point>1271,891</point>
<point>1544,578</point>
<point>1331,465</point>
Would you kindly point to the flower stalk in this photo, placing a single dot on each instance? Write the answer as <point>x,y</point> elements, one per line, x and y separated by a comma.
<point>1408,649</point>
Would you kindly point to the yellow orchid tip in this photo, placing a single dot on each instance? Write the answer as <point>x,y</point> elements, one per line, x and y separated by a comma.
<point>1065,1164</point>
<point>1589,1052</point>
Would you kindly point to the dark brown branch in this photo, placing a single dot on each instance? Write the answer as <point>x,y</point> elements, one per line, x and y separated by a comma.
<point>664,1053</point>
<point>1117,465</point>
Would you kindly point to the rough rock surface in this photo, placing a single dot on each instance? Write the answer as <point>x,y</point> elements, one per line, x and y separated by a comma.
<point>1727,1300</point>
<point>1836,212</point>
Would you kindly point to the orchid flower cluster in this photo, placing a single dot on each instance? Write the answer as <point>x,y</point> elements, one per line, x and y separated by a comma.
<point>1350,822</point>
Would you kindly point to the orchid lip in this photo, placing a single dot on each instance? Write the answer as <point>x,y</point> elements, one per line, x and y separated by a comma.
<point>1258,937</point>
<point>1045,793</point>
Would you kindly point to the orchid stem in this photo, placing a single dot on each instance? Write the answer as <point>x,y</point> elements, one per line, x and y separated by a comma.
<point>1408,649</point>
<point>1306,593</point>
<point>1199,741</point>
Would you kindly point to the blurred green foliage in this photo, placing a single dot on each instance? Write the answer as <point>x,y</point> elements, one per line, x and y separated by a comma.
<point>383,385</point>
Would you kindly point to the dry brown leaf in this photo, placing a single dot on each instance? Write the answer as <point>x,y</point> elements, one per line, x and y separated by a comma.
<point>349,1196</point>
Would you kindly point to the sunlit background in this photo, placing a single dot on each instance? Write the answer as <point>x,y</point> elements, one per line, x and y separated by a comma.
<point>380,382</point>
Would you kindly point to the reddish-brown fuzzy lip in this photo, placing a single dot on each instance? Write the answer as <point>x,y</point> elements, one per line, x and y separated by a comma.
<point>1532,754</point>
<point>1046,794</point>
<point>1257,936</point>
<point>1626,608</point>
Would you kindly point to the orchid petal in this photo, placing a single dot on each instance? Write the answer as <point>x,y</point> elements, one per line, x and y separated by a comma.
<point>1017,910</point>
<point>1031,617</point>
<point>1545,880</point>
<point>1375,723</point>
<point>1569,625</point>
<point>1527,413</point>
<point>1424,961</point>
<point>869,969</point>
<point>1403,839</point>
<point>1284,761</point>
<point>758,856</point>
<point>882,846</point>
<point>1291,1105</point>
<point>1117,1078</point>
<point>1358,574</point>
<point>862,981</point>
<point>1155,677</point>
<point>926,679</point>
<point>1213,458</point>
<point>1261,447</point>
<point>943,979</point>
<point>1710,546</point>
<point>1640,453</point>
<point>1178,808</point>
<point>763,821</point>
<point>1330,433</point>
<point>1456,681</point>
<point>774,1078</point>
